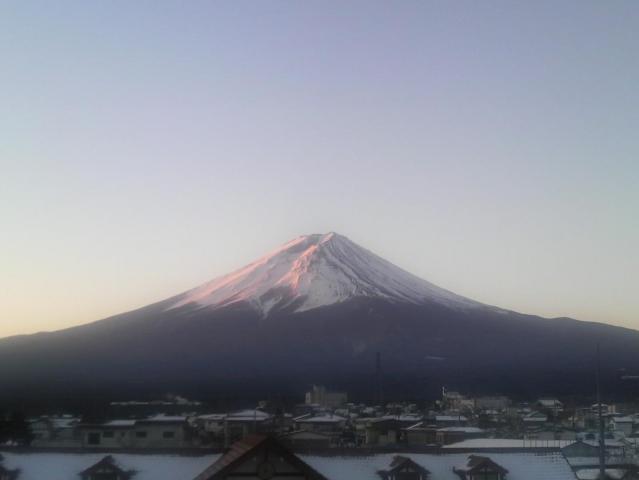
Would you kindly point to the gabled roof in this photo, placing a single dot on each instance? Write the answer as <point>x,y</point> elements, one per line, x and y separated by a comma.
<point>107,463</point>
<point>401,463</point>
<point>476,463</point>
<point>245,449</point>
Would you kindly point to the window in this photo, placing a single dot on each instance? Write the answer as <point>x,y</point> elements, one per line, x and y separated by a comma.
<point>93,438</point>
<point>168,434</point>
<point>108,434</point>
<point>140,434</point>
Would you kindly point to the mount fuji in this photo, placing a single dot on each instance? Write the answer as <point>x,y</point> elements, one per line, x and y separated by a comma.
<point>316,271</point>
<point>319,309</point>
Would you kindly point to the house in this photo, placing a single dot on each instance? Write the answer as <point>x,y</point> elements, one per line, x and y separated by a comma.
<point>159,431</point>
<point>259,457</point>
<point>605,409</point>
<point>241,423</point>
<point>551,405</point>
<point>325,422</point>
<point>623,425</point>
<point>110,434</point>
<point>534,419</point>
<point>383,431</point>
<point>590,449</point>
<point>481,468</point>
<point>303,439</point>
<point>212,423</point>
<point>450,420</point>
<point>420,433</point>
<point>106,469</point>
<point>448,435</point>
<point>403,468</point>
<point>54,431</point>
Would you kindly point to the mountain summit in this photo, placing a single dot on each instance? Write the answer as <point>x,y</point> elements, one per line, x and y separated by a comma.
<point>319,309</point>
<point>314,271</point>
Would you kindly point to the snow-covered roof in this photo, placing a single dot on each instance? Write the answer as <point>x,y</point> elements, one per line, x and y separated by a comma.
<point>515,443</point>
<point>325,418</point>
<point>610,443</point>
<point>65,466</point>
<point>461,429</point>
<point>594,461</point>
<point>623,419</point>
<point>212,416</point>
<point>119,423</point>
<point>244,415</point>
<point>165,419</point>
<point>593,473</point>
<point>450,418</point>
<point>520,466</point>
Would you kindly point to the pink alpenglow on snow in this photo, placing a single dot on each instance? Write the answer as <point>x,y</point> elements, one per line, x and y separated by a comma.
<point>318,270</point>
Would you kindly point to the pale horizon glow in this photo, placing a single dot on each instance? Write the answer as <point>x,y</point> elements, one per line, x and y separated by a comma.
<point>149,147</point>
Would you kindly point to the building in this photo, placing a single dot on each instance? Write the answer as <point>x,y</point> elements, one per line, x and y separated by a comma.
<point>534,420</point>
<point>326,422</point>
<point>54,431</point>
<point>383,431</point>
<point>305,440</point>
<point>163,432</point>
<point>420,434</point>
<point>624,425</point>
<point>323,398</point>
<point>448,435</point>
<point>551,405</point>
<point>450,420</point>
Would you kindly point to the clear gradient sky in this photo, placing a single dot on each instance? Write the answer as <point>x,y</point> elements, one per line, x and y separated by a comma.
<point>489,147</point>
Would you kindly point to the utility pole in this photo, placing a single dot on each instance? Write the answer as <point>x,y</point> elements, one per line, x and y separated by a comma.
<point>602,440</point>
<point>378,373</point>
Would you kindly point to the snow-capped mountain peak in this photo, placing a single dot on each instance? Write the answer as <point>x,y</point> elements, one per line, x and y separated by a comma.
<point>317,270</point>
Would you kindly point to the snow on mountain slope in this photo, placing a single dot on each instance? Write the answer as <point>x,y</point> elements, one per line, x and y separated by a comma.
<point>318,270</point>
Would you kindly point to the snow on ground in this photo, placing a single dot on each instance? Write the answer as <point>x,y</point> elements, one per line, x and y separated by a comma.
<point>521,466</point>
<point>318,270</point>
<point>66,466</point>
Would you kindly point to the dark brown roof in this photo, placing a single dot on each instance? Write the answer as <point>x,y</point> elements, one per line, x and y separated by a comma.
<point>400,463</point>
<point>109,463</point>
<point>242,450</point>
<point>477,462</point>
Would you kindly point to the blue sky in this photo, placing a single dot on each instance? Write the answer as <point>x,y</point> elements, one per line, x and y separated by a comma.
<point>489,147</point>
